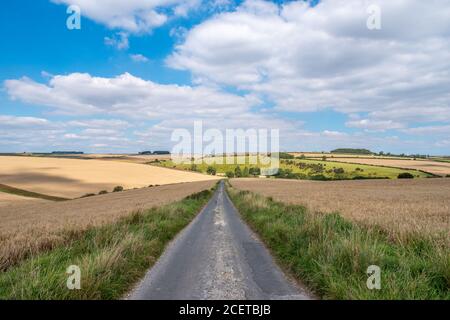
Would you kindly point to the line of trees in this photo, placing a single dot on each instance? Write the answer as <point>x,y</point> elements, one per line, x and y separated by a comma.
<point>243,173</point>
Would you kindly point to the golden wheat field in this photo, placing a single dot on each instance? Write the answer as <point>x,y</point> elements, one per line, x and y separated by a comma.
<point>7,199</point>
<point>72,178</point>
<point>29,227</point>
<point>398,206</point>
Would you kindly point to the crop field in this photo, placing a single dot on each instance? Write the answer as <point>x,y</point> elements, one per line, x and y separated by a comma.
<point>435,167</point>
<point>72,178</point>
<point>112,257</point>
<point>331,253</point>
<point>340,155</point>
<point>400,207</point>
<point>299,169</point>
<point>32,226</point>
<point>342,171</point>
<point>6,199</point>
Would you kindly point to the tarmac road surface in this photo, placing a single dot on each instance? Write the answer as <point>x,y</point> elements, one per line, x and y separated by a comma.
<point>217,257</point>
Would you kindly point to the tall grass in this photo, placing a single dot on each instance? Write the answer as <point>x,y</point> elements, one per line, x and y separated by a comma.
<point>331,255</point>
<point>111,258</point>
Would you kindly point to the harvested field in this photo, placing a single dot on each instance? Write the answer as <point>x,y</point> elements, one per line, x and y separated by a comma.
<point>32,227</point>
<point>434,167</point>
<point>398,206</point>
<point>72,178</point>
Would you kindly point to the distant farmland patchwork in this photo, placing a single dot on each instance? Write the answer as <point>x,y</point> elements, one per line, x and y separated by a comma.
<point>438,168</point>
<point>295,169</point>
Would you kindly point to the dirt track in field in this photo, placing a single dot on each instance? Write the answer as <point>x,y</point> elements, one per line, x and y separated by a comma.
<point>36,225</point>
<point>398,206</point>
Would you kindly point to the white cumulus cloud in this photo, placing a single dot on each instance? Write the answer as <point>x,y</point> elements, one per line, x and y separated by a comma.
<point>132,15</point>
<point>307,58</point>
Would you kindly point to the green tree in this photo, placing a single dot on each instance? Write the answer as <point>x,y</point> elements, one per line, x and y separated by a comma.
<point>237,172</point>
<point>229,174</point>
<point>255,171</point>
<point>211,170</point>
<point>405,175</point>
<point>118,189</point>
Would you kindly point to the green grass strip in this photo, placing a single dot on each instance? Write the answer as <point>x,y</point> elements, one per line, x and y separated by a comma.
<point>111,258</point>
<point>331,255</point>
<point>29,194</point>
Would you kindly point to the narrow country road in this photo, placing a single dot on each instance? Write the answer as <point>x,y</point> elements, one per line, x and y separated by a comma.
<point>217,257</point>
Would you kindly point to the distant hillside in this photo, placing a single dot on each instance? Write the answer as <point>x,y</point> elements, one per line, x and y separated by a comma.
<point>352,151</point>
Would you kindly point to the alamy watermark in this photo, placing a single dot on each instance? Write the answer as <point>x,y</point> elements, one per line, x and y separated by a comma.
<point>374,20</point>
<point>74,279</point>
<point>230,146</point>
<point>73,22</point>
<point>374,279</point>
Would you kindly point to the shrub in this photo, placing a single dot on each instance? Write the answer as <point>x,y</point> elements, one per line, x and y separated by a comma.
<point>368,178</point>
<point>237,172</point>
<point>339,171</point>
<point>319,177</point>
<point>447,176</point>
<point>88,195</point>
<point>103,192</point>
<point>285,155</point>
<point>211,170</point>
<point>118,189</point>
<point>254,171</point>
<point>229,174</point>
<point>405,175</point>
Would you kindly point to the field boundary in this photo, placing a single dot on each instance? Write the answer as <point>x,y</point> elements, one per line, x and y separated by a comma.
<point>29,194</point>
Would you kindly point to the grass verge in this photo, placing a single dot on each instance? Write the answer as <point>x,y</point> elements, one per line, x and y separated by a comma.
<point>29,194</point>
<point>111,258</point>
<point>331,255</point>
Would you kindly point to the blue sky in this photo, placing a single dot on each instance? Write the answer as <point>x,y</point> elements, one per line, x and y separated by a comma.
<point>136,71</point>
